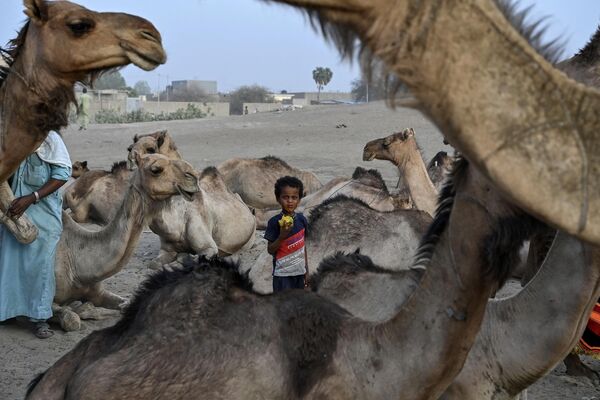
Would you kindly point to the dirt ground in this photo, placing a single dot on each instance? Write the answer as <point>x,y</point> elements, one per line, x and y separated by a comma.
<point>305,138</point>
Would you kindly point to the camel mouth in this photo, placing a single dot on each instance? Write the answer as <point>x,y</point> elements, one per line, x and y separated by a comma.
<point>368,156</point>
<point>146,61</point>
<point>187,195</point>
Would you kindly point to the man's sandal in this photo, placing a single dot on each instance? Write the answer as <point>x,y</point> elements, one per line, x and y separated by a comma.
<point>42,330</point>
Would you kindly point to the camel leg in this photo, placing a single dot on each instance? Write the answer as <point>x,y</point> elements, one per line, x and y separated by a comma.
<point>164,257</point>
<point>575,367</point>
<point>69,321</point>
<point>87,310</point>
<point>22,228</point>
<point>101,297</point>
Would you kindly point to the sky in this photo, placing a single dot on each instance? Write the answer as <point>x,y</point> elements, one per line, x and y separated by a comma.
<point>244,42</point>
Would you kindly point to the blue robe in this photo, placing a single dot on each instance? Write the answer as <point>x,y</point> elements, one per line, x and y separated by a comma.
<point>27,270</point>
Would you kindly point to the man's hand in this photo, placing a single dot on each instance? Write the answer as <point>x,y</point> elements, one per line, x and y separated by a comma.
<point>19,205</point>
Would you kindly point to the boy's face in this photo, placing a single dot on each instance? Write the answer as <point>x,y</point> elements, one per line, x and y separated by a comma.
<point>289,199</point>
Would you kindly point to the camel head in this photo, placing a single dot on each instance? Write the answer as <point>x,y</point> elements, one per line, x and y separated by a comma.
<point>78,168</point>
<point>393,148</point>
<point>76,43</point>
<point>157,142</point>
<point>161,177</point>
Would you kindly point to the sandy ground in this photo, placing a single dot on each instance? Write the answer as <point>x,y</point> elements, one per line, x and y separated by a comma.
<point>305,138</point>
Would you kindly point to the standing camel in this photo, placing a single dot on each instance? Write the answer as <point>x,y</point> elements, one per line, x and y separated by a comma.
<point>254,179</point>
<point>60,44</point>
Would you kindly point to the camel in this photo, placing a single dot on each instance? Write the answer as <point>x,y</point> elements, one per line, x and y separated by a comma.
<point>347,224</point>
<point>157,142</point>
<point>401,149</point>
<point>254,179</point>
<point>216,221</point>
<point>78,168</point>
<point>95,197</point>
<point>438,168</point>
<point>60,44</point>
<point>85,258</point>
<point>515,330</point>
<point>367,186</point>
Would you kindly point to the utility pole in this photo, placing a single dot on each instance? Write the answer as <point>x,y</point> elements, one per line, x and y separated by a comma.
<point>367,91</point>
<point>158,88</point>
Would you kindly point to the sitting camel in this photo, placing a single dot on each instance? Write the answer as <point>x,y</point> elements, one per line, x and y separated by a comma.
<point>36,85</point>
<point>254,179</point>
<point>364,185</point>
<point>216,221</point>
<point>95,196</point>
<point>347,224</point>
<point>78,168</point>
<point>401,149</point>
<point>85,258</point>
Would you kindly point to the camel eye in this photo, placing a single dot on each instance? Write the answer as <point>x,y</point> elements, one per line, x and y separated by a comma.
<point>79,28</point>
<point>150,150</point>
<point>156,170</point>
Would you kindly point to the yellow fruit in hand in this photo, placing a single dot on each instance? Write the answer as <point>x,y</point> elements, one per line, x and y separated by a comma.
<point>286,220</point>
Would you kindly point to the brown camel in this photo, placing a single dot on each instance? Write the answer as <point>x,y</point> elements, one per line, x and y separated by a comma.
<point>319,347</point>
<point>254,178</point>
<point>60,44</point>
<point>347,224</point>
<point>85,258</point>
<point>401,149</point>
<point>216,221</point>
<point>365,185</point>
<point>78,168</point>
<point>95,197</point>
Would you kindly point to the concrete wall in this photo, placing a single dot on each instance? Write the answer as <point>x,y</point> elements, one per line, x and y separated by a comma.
<point>261,107</point>
<point>212,109</point>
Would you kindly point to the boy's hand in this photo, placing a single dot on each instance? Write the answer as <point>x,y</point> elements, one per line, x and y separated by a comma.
<point>285,230</point>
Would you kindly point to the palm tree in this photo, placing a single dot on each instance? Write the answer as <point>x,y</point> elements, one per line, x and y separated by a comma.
<point>322,77</point>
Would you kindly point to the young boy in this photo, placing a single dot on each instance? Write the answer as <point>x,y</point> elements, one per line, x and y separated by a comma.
<point>285,233</point>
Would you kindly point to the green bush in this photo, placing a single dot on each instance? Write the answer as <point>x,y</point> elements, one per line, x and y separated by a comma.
<point>114,117</point>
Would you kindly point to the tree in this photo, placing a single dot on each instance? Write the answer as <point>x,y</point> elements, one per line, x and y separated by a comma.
<point>191,93</point>
<point>248,94</point>
<point>111,80</point>
<point>142,88</point>
<point>322,76</point>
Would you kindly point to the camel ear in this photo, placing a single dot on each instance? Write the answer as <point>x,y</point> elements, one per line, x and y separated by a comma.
<point>410,132</point>
<point>84,164</point>
<point>135,138</point>
<point>160,140</point>
<point>36,10</point>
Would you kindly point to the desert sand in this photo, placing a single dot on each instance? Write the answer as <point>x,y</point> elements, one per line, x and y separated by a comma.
<point>306,138</point>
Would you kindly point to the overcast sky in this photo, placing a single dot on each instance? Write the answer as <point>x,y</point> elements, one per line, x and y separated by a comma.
<point>239,42</point>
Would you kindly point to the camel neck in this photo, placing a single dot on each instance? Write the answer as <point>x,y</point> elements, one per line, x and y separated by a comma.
<point>441,318</point>
<point>32,105</point>
<point>561,295</point>
<point>108,250</point>
<point>421,189</point>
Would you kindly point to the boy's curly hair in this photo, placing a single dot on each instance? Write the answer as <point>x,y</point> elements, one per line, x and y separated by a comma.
<point>290,181</point>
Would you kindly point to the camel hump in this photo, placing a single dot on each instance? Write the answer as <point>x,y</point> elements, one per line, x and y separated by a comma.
<point>370,177</point>
<point>274,162</point>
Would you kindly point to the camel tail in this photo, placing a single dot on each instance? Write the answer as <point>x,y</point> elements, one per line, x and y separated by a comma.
<point>33,384</point>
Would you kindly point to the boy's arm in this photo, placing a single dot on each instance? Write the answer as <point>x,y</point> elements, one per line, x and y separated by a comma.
<point>273,246</point>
